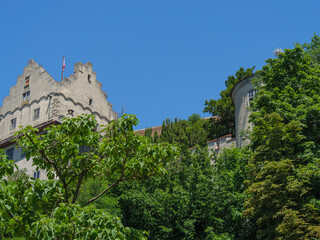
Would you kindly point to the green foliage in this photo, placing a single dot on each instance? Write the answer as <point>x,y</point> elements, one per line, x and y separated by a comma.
<point>224,108</point>
<point>187,203</point>
<point>90,188</point>
<point>148,132</point>
<point>115,152</point>
<point>194,118</point>
<point>73,153</point>
<point>230,171</point>
<point>18,174</point>
<point>312,49</point>
<point>174,207</point>
<point>7,166</point>
<point>186,133</point>
<point>284,169</point>
<point>70,221</point>
<point>34,210</point>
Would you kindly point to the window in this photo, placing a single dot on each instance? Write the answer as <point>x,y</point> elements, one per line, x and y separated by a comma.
<point>84,149</point>
<point>89,78</point>
<point>90,101</point>
<point>13,123</point>
<point>252,93</point>
<point>70,112</point>
<point>36,175</point>
<point>26,96</point>
<point>36,114</point>
<point>27,80</point>
<point>9,153</point>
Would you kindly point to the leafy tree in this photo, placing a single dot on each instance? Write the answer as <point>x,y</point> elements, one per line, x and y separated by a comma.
<point>187,133</point>
<point>197,200</point>
<point>148,132</point>
<point>312,49</point>
<point>197,131</point>
<point>224,108</point>
<point>194,118</point>
<point>230,172</point>
<point>90,188</point>
<point>284,177</point>
<point>18,174</point>
<point>175,207</point>
<point>70,154</point>
<point>174,132</point>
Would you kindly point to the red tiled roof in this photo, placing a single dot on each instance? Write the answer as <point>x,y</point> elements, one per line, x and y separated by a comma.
<point>219,138</point>
<point>155,129</point>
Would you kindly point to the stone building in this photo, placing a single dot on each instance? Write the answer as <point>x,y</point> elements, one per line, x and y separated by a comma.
<point>38,100</point>
<point>242,94</point>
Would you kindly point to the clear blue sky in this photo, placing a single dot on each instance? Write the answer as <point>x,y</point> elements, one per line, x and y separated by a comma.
<point>158,59</point>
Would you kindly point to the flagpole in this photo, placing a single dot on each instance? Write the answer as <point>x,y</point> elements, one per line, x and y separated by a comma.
<point>63,66</point>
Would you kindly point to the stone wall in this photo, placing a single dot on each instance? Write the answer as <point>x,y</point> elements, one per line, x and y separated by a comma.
<point>217,145</point>
<point>240,97</point>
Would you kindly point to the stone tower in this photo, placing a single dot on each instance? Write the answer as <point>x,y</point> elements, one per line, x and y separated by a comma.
<point>242,94</point>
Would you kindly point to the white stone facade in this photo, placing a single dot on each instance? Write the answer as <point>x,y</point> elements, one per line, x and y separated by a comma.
<point>37,100</point>
<point>242,93</point>
<point>217,145</point>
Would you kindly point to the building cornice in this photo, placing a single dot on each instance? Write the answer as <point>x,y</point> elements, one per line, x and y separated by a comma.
<point>56,94</point>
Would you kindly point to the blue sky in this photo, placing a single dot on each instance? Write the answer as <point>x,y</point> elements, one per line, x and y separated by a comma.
<point>157,59</point>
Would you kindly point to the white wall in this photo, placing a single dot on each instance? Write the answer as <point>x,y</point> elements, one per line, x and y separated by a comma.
<point>242,109</point>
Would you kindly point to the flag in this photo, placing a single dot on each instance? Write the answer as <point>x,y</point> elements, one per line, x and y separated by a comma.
<point>63,67</point>
<point>63,64</point>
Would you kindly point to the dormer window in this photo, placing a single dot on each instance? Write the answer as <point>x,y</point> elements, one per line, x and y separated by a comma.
<point>26,96</point>
<point>27,80</point>
<point>70,112</point>
<point>89,78</point>
<point>90,101</point>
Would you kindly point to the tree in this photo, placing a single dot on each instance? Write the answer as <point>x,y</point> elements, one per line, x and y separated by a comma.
<point>284,178</point>
<point>187,133</point>
<point>230,172</point>
<point>70,154</point>
<point>197,200</point>
<point>178,206</point>
<point>312,49</point>
<point>224,108</point>
<point>148,132</point>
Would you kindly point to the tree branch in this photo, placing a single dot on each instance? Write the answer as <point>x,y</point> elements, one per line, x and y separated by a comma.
<point>76,192</point>
<point>20,225</point>
<point>103,192</point>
